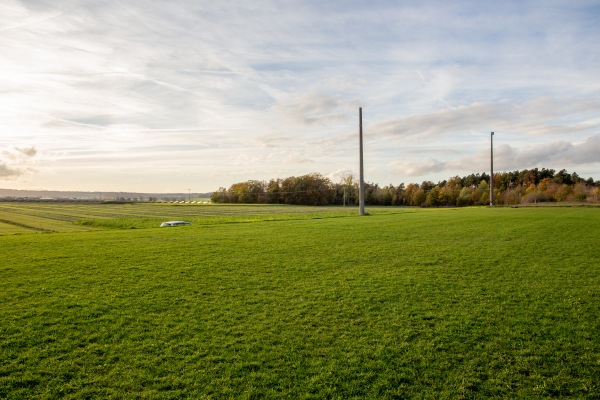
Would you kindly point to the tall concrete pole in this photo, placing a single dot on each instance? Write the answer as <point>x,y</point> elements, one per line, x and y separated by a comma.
<point>362,174</point>
<point>492,169</point>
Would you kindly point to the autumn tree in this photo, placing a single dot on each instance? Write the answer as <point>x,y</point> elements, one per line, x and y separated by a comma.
<point>581,191</point>
<point>418,197</point>
<point>465,197</point>
<point>274,191</point>
<point>433,197</point>
<point>527,186</point>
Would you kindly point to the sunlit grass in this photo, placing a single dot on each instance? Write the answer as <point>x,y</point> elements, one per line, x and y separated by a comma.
<point>470,303</point>
<point>65,217</point>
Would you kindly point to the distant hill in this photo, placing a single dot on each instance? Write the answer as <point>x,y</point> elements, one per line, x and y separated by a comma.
<point>13,194</point>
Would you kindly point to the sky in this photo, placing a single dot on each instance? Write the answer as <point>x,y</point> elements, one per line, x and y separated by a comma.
<point>170,96</point>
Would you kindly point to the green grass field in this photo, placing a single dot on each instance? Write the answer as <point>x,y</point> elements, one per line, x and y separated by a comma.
<point>299,303</point>
<point>69,217</point>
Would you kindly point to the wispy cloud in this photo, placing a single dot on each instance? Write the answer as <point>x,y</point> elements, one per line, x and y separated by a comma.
<point>17,162</point>
<point>313,108</point>
<point>539,116</point>
<point>186,93</point>
<point>557,154</point>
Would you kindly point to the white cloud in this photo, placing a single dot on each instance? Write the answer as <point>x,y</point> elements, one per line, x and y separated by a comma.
<point>7,172</point>
<point>557,154</point>
<point>418,168</point>
<point>313,108</point>
<point>342,174</point>
<point>214,93</point>
<point>539,116</point>
<point>17,162</point>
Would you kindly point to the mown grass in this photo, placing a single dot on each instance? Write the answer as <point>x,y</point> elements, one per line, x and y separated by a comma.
<point>469,303</point>
<point>67,217</point>
<point>7,227</point>
<point>154,222</point>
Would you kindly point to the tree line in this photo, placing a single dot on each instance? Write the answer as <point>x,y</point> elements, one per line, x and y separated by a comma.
<point>510,188</point>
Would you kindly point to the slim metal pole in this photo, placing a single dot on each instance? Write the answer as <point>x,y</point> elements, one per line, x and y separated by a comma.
<point>492,169</point>
<point>362,174</point>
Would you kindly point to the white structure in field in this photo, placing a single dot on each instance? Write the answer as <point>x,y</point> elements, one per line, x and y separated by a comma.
<point>175,223</point>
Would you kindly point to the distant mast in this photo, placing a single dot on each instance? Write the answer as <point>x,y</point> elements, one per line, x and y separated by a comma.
<point>362,174</point>
<point>492,169</point>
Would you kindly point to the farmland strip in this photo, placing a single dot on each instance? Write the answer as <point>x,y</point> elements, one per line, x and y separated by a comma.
<point>35,228</point>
